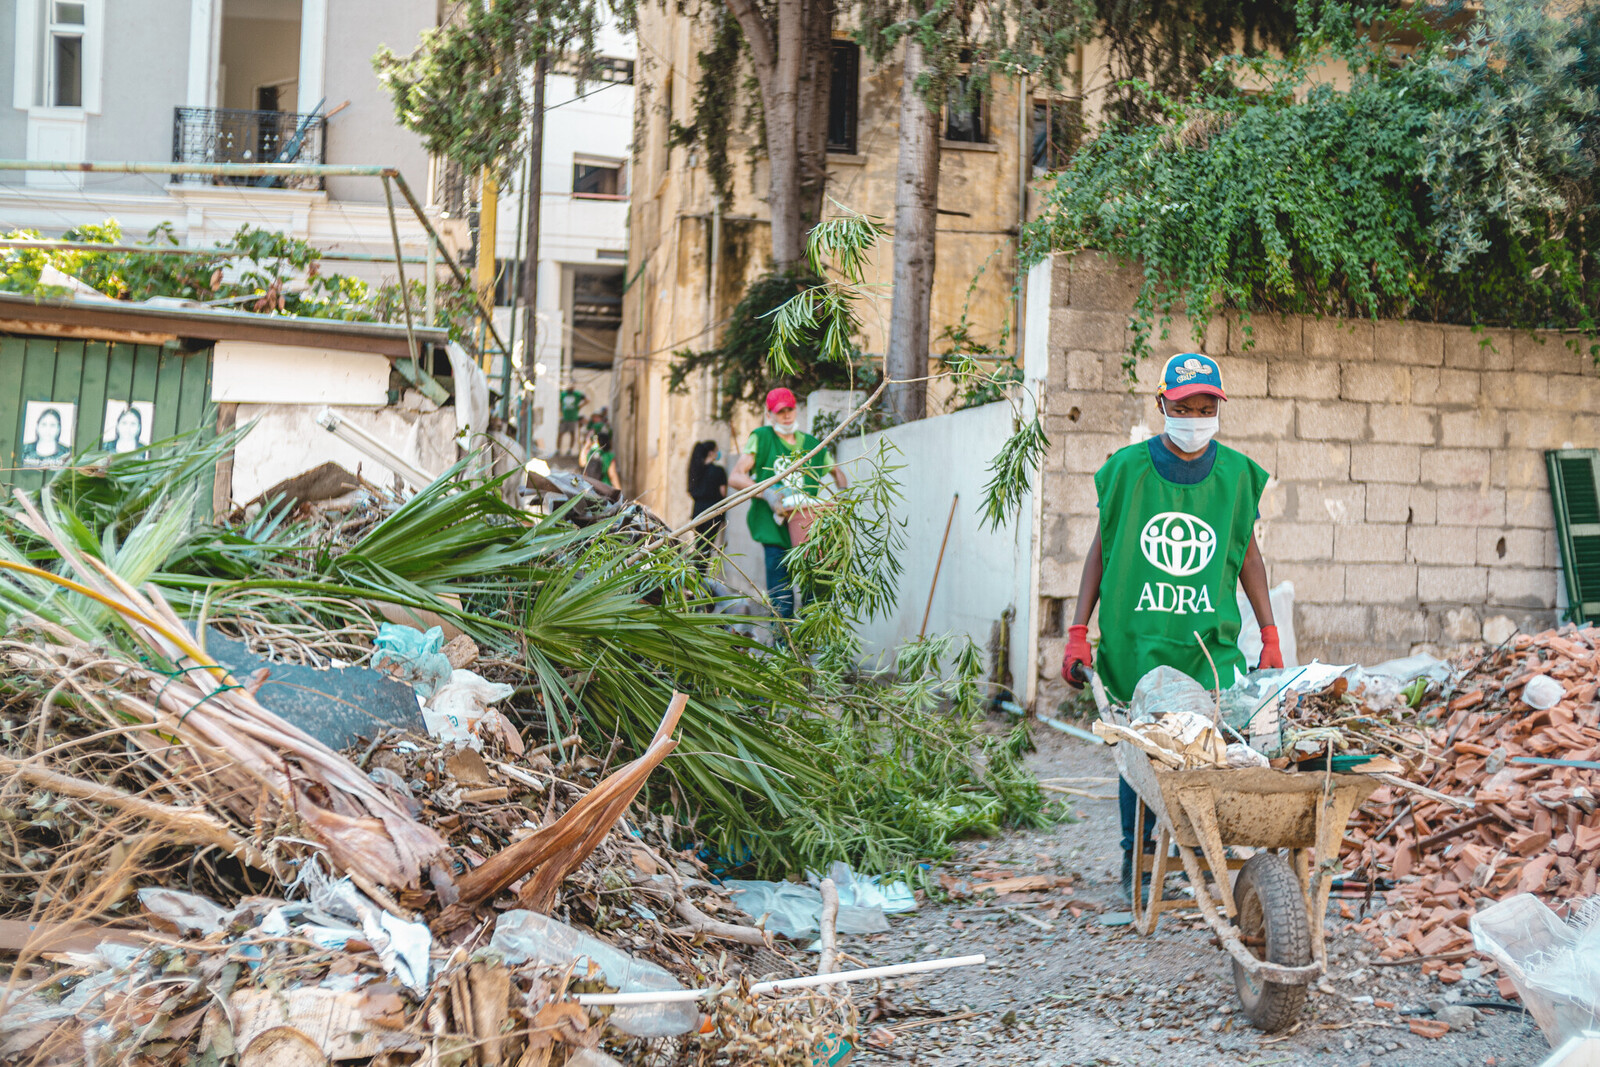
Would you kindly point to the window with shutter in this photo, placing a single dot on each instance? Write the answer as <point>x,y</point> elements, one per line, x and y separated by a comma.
<point>1575,492</point>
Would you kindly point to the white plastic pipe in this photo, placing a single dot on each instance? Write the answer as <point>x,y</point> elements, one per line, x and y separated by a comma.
<point>666,996</point>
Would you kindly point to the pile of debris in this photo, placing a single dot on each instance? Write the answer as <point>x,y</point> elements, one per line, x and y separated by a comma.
<point>1517,735</point>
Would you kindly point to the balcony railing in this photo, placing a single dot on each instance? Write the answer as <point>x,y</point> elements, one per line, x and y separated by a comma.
<point>236,135</point>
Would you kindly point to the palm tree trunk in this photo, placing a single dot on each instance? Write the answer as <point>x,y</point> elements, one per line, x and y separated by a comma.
<point>916,213</point>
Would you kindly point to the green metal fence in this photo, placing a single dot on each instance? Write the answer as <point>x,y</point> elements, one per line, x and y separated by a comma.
<point>64,398</point>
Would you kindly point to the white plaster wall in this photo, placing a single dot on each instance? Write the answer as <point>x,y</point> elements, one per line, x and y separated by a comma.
<point>250,372</point>
<point>286,441</point>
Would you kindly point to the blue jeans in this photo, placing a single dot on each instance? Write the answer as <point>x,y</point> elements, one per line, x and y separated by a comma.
<point>779,591</point>
<point>1128,801</point>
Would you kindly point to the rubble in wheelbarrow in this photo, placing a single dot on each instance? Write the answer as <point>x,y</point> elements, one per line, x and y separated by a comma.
<point>1516,732</point>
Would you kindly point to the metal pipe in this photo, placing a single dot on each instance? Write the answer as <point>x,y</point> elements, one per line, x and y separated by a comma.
<point>430,284</point>
<point>400,270</point>
<point>216,170</point>
<point>674,996</point>
<point>180,250</point>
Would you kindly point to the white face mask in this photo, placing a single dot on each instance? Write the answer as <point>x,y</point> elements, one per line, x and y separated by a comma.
<point>1190,435</point>
<point>785,428</point>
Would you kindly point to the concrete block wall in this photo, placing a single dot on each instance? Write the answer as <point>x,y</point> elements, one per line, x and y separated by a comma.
<point>1408,502</point>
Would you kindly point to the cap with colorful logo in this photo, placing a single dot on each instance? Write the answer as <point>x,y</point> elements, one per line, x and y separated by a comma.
<point>1188,373</point>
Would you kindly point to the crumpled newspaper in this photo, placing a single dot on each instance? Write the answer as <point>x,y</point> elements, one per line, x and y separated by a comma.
<point>1181,740</point>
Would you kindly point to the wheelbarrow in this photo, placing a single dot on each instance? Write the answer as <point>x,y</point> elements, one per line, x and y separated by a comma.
<point>1269,918</point>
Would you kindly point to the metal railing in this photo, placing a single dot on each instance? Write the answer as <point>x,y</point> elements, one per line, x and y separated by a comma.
<point>236,135</point>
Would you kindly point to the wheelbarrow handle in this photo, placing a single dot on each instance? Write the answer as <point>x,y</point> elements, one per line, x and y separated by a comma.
<point>1085,675</point>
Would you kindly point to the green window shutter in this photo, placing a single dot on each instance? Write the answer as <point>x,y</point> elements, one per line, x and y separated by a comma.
<point>1575,492</point>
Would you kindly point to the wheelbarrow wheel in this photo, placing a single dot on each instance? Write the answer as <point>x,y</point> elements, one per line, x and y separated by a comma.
<point>1272,918</point>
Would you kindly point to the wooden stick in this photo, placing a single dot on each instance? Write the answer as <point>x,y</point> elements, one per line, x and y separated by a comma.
<point>1432,794</point>
<point>701,923</point>
<point>938,565</point>
<point>1029,919</point>
<point>830,927</point>
<point>552,746</point>
<point>1071,792</point>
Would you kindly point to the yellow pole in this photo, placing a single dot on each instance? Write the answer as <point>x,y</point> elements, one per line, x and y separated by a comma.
<point>483,273</point>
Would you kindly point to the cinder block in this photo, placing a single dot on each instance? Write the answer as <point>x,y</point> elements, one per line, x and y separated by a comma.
<point>1516,548</point>
<point>1381,583</point>
<point>1515,389</point>
<point>1061,280</point>
<point>1445,385</point>
<point>1455,466</point>
<point>1103,331</point>
<point>1254,417</point>
<point>1403,424</point>
<point>1297,542</point>
<point>1242,377</point>
<point>1409,342</point>
<point>1399,503</point>
<point>1083,368</point>
<point>1338,339</point>
<point>1472,429</point>
<point>1369,543</point>
<point>1573,392</point>
<point>1515,587</point>
<point>1179,336</point>
<point>1302,379</point>
<point>1309,461</point>
<point>1385,463</point>
<point>1330,420</point>
<point>1316,623</point>
<point>1452,585</point>
<point>1069,494</point>
<point>1083,453</point>
<point>1477,349</point>
<point>1314,583</point>
<point>1544,353</point>
<point>1146,371</point>
<point>1400,626</point>
<point>1441,544</point>
<point>1059,577</point>
<point>1379,383</point>
<point>1073,411</point>
<point>1098,286</point>
<point>1472,507</point>
<point>1540,429</point>
<point>1265,334</point>
<point>1530,508</point>
<point>1340,503</point>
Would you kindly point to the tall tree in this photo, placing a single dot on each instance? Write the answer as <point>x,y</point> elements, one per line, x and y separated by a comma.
<point>951,49</point>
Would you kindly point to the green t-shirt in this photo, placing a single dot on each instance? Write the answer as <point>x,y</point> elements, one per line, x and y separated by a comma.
<point>1172,555</point>
<point>773,456</point>
<point>571,401</point>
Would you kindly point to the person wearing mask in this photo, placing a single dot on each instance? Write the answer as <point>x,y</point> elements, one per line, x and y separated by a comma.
<point>708,485</point>
<point>600,462</point>
<point>1176,537</point>
<point>572,402</point>
<point>777,448</point>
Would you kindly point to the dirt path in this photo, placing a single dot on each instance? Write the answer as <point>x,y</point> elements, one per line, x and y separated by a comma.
<point>1087,993</point>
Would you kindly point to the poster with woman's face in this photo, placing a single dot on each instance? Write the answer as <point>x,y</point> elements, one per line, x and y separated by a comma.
<point>127,426</point>
<point>47,427</point>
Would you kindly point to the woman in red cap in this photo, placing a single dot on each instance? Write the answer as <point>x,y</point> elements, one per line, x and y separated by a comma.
<point>776,448</point>
<point>1176,538</point>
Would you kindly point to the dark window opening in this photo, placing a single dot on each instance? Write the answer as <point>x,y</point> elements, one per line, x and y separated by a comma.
<point>611,69</point>
<point>842,97</point>
<point>507,282</point>
<point>68,87</point>
<point>964,112</point>
<point>598,180</point>
<point>595,314</point>
<point>1057,132</point>
<point>267,98</point>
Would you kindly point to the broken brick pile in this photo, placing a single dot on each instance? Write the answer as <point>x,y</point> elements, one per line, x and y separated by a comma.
<point>1533,829</point>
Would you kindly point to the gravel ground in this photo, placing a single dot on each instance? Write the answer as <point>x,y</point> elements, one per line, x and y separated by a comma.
<point>1088,993</point>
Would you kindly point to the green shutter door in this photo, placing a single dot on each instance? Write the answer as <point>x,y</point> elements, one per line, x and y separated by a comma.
<point>83,384</point>
<point>1575,492</point>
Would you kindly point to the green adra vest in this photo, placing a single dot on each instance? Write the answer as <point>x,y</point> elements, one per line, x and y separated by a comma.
<point>1172,555</point>
<point>773,456</point>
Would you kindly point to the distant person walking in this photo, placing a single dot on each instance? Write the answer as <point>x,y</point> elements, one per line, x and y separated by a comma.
<point>777,448</point>
<point>572,402</point>
<point>600,462</point>
<point>708,486</point>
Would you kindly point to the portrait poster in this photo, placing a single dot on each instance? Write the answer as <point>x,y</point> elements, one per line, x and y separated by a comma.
<point>127,426</point>
<point>47,428</point>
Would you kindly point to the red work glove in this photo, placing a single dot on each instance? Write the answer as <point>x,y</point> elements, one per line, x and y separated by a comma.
<point>1271,654</point>
<point>1077,652</point>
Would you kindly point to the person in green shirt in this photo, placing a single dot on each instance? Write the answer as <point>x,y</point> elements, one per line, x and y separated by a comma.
<point>777,448</point>
<point>600,461</point>
<point>1176,538</point>
<point>572,402</point>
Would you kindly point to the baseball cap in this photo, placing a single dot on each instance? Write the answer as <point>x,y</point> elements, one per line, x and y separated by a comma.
<point>1186,374</point>
<point>781,398</point>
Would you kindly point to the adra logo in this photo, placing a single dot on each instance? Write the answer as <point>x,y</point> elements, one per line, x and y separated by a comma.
<point>1181,545</point>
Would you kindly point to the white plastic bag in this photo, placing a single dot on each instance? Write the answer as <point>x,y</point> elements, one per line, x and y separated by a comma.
<point>1554,965</point>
